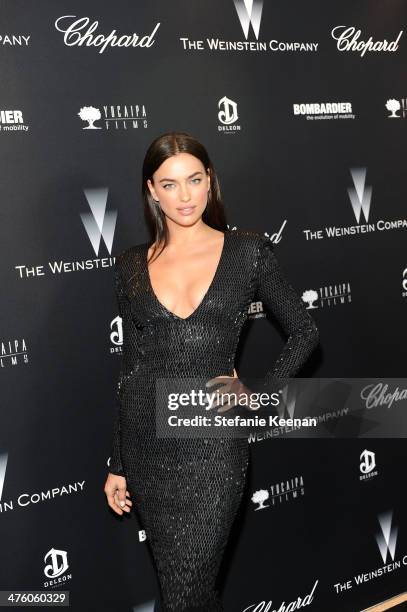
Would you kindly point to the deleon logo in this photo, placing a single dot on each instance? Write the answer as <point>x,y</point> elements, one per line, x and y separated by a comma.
<point>58,565</point>
<point>228,111</point>
<point>99,222</point>
<point>116,336</point>
<point>361,194</point>
<point>249,12</point>
<point>387,537</point>
<point>367,461</point>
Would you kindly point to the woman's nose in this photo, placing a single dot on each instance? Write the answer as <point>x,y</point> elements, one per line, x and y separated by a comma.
<point>184,194</point>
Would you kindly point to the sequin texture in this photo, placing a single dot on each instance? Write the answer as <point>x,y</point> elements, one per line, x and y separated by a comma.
<point>187,492</point>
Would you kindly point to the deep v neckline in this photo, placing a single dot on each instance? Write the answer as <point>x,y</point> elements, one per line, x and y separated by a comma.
<point>207,293</point>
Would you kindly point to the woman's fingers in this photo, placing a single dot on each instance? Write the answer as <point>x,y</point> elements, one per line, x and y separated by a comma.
<point>126,503</point>
<point>111,500</point>
<point>117,494</point>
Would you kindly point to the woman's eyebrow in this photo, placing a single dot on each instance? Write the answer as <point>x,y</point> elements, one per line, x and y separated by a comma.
<point>174,180</point>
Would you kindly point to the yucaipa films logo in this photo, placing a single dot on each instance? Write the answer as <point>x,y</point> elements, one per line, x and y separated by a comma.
<point>397,108</point>
<point>327,296</point>
<point>114,117</point>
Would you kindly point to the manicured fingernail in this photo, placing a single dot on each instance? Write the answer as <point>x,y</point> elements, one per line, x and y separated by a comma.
<point>122,503</point>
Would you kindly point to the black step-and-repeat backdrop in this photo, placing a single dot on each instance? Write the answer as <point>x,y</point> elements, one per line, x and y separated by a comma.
<point>303,109</point>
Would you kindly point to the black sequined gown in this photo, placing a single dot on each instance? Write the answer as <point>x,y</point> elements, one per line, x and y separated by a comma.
<point>186,492</point>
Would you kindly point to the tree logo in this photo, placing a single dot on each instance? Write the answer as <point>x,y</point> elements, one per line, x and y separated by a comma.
<point>310,295</point>
<point>90,114</point>
<point>259,497</point>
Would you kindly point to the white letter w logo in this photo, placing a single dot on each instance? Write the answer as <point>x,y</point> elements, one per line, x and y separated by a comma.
<point>249,12</point>
<point>387,538</point>
<point>99,223</point>
<point>361,194</point>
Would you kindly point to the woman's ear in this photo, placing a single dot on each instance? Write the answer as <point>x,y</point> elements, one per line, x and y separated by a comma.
<point>152,190</point>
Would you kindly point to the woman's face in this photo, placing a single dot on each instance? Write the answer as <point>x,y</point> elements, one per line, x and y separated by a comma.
<point>181,182</point>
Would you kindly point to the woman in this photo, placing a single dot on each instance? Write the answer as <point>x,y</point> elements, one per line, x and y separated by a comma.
<point>183,301</point>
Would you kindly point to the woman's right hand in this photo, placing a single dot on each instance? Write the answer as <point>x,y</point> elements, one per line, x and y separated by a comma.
<point>117,493</point>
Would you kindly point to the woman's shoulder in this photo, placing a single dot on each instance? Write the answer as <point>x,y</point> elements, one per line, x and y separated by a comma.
<point>251,239</point>
<point>129,260</point>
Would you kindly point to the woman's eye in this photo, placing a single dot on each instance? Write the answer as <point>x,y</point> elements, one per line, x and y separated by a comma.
<point>197,179</point>
<point>168,185</point>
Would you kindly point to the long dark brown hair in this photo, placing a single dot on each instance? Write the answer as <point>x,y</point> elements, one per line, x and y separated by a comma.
<point>163,147</point>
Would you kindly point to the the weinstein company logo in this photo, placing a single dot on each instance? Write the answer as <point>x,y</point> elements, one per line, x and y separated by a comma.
<point>228,116</point>
<point>57,565</point>
<point>14,40</point>
<point>387,538</point>
<point>3,466</point>
<point>347,38</point>
<point>99,222</point>
<point>249,12</point>
<point>78,32</point>
<point>367,465</point>
<point>114,117</point>
<point>149,606</point>
<point>360,196</point>
<point>33,498</point>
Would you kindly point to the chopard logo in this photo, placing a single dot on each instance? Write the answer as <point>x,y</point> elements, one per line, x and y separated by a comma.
<point>74,37</point>
<point>348,40</point>
<point>264,606</point>
<point>377,395</point>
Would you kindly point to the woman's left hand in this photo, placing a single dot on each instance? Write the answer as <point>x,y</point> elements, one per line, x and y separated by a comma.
<point>233,386</point>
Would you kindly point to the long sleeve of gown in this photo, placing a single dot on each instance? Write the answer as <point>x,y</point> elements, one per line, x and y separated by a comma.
<point>116,466</point>
<point>283,302</point>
